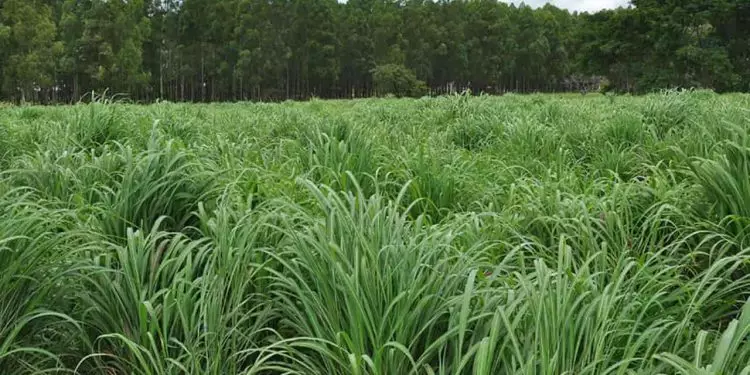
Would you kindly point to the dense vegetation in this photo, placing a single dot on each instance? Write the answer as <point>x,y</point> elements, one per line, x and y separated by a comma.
<point>454,235</point>
<point>209,50</point>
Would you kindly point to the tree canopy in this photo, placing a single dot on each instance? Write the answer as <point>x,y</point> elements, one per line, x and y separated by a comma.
<point>209,50</point>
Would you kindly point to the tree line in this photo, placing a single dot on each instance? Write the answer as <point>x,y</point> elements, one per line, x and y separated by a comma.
<point>209,50</point>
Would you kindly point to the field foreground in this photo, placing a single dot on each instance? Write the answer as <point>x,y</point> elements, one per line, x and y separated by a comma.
<point>459,235</point>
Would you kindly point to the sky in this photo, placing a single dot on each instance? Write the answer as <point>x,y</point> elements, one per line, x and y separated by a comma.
<point>579,5</point>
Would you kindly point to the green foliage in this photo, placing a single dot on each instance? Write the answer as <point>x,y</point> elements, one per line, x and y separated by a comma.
<point>95,125</point>
<point>339,158</point>
<point>725,182</point>
<point>397,80</point>
<point>30,48</point>
<point>668,114</point>
<point>471,135</point>
<point>162,184</point>
<point>200,50</point>
<point>544,234</point>
<point>36,245</point>
<point>730,351</point>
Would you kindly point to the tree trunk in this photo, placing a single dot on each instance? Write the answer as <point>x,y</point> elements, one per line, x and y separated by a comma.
<point>76,93</point>
<point>161,72</point>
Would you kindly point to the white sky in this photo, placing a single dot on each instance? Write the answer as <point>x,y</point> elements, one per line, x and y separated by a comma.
<point>579,5</point>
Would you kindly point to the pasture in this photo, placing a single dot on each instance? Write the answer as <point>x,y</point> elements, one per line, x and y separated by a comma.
<point>539,235</point>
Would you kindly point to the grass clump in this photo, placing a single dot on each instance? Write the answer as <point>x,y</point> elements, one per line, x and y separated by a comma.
<point>164,181</point>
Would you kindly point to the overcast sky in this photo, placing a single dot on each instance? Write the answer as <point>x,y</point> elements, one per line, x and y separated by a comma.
<point>579,5</point>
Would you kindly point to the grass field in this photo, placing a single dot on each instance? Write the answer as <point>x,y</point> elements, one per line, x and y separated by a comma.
<point>538,235</point>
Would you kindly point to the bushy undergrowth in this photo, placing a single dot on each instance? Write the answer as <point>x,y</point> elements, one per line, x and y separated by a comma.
<point>456,235</point>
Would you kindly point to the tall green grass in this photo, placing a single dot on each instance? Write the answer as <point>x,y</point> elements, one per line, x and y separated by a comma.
<point>458,235</point>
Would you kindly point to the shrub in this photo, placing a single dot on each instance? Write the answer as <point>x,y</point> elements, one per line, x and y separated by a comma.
<point>397,80</point>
